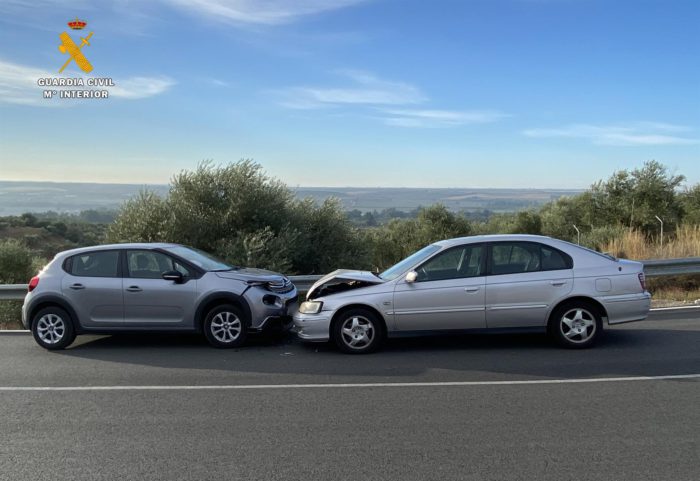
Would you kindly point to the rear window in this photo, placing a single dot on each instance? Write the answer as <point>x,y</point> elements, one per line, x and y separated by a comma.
<point>553,259</point>
<point>520,257</point>
<point>94,264</point>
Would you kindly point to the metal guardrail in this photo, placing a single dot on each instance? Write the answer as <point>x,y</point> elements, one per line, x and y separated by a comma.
<point>9,292</point>
<point>671,267</point>
<point>652,268</point>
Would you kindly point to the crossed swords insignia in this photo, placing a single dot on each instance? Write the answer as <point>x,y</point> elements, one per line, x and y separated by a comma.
<point>73,50</point>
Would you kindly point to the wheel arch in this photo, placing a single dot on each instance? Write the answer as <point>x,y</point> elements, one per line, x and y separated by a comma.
<point>573,299</point>
<point>216,298</point>
<point>349,307</point>
<point>52,301</point>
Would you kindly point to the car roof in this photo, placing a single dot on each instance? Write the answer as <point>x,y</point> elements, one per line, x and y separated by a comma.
<point>126,245</point>
<point>496,238</point>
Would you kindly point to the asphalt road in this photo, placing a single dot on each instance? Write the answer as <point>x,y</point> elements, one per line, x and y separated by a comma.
<point>290,428</point>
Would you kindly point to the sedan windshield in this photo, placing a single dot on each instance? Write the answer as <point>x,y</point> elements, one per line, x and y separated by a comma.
<point>416,258</point>
<point>200,258</point>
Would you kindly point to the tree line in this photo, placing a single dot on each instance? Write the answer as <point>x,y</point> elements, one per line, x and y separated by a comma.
<point>241,214</point>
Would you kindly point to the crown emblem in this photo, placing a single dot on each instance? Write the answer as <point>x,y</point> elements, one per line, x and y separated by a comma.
<point>77,24</point>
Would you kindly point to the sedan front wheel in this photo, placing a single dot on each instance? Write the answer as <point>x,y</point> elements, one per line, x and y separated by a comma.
<point>358,331</point>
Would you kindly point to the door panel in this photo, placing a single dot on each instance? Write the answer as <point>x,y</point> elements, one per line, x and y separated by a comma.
<point>447,294</point>
<point>158,302</point>
<point>445,304</point>
<point>523,300</point>
<point>150,300</point>
<point>93,287</point>
<point>519,293</point>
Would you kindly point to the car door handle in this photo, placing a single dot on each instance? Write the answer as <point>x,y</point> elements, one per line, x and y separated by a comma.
<point>472,289</point>
<point>557,283</point>
<point>77,287</point>
<point>134,289</point>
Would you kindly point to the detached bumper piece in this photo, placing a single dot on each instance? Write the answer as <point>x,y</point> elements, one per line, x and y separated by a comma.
<point>274,324</point>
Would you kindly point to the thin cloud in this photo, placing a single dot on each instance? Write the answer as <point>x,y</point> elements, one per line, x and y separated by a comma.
<point>440,118</point>
<point>392,99</point>
<point>140,87</point>
<point>365,89</point>
<point>263,12</point>
<point>631,134</point>
<point>18,85</point>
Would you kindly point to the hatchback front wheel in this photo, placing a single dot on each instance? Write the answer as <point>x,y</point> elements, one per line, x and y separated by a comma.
<point>225,326</point>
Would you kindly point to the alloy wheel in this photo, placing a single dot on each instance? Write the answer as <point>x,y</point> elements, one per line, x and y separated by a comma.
<point>578,325</point>
<point>51,328</point>
<point>226,327</point>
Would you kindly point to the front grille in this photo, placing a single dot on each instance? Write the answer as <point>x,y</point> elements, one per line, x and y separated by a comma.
<point>282,286</point>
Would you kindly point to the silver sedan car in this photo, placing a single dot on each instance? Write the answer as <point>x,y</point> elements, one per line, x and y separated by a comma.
<point>483,282</point>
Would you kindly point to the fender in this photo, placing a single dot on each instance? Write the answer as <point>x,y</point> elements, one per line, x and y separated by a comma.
<point>218,298</point>
<point>50,299</point>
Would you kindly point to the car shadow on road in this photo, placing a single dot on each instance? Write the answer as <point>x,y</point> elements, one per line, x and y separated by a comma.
<point>625,352</point>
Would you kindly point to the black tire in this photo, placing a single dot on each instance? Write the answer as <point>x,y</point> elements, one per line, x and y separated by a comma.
<point>576,325</point>
<point>358,331</point>
<point>225,326</point>
<point>52,328</point>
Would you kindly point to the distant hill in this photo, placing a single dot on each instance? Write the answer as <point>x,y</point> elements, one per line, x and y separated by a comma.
<point>19,197</point>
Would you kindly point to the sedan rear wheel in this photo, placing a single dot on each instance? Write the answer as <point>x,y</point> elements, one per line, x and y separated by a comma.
<point>358,331</point>
<point>576,325</point>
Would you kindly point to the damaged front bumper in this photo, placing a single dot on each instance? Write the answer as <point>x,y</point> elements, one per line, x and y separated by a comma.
<point>312,327</point>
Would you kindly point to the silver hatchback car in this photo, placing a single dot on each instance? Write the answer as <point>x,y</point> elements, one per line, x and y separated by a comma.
<point>482,282</point>
<point>153,287</point>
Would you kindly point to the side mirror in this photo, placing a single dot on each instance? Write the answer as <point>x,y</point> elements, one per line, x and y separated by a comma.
<point>174,276</point>
<point>411,277</point>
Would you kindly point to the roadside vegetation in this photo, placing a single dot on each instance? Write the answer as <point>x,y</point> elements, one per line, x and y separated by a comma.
<point>241,214</point>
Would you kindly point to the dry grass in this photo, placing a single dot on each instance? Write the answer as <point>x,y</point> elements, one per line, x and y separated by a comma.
<point>684,242</point>
<point>674,296</point>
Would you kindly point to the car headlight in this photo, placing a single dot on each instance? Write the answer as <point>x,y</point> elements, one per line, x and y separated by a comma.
<point>310,307</point>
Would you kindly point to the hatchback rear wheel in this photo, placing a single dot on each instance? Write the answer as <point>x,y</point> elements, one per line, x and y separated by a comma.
<point>52,328</point>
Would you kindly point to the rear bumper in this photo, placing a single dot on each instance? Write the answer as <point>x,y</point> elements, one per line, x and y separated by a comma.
<point>626,308</point>
<point>25,322</point>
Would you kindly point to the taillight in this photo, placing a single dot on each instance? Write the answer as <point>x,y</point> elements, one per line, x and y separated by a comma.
<point>33,283</point>
<point>642,281</point>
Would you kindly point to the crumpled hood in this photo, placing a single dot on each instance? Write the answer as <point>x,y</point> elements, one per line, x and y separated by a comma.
<point>247,274</point>
<point>344,275</point>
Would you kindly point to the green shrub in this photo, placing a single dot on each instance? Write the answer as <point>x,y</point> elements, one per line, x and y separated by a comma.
<point>17,262</point>
<point>10,314</point>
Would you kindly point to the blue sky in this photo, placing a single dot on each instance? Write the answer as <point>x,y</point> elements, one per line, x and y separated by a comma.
<point>472,93</point>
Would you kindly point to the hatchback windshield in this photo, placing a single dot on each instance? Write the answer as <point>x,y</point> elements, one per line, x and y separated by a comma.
<point>200,259</point>
<point>416,258</point>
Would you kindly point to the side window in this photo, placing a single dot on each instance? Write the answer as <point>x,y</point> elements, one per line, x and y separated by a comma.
<point>94,264</point>
<point>514,258</point>
<point>151,264</point>
<point>455,263</point>
<point>553,259</point>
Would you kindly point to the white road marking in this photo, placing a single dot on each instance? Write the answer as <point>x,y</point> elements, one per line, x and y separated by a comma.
<point>233,387</point>
<point>677,308</point>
